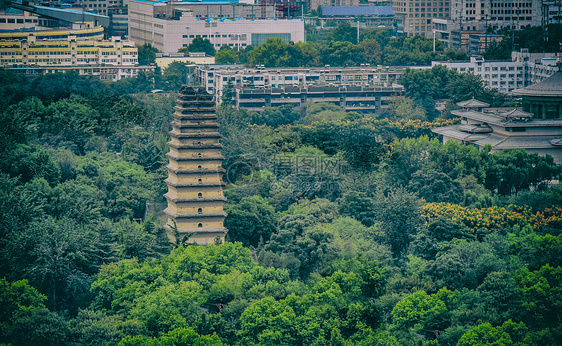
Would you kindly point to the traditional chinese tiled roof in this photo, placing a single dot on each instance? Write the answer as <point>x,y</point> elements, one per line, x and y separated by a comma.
<point>473,103</point>
<point>517,114</point>
<point>550,87</point>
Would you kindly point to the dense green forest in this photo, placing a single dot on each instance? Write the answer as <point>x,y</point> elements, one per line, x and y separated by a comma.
<point>344,229</point>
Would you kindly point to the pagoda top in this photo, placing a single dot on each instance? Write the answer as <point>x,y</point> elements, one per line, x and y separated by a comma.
<point>473,103</point>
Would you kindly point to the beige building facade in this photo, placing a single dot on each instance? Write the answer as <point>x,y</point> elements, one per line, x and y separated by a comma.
<point>80,48</point>
<point>172,26</point>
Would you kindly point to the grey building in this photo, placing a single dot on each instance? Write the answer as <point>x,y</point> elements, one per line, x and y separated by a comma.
<point>365,99</point>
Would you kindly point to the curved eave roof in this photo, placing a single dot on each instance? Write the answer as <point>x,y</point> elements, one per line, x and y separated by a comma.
<point>550,87</point>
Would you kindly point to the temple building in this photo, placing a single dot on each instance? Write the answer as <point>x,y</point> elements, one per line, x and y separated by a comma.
<point>536,127</point>
<point>195,197</point>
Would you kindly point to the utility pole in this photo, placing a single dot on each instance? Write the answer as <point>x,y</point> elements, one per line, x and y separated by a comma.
<point>434,40</point>
<point>357,30</point>
<point>486,31</point>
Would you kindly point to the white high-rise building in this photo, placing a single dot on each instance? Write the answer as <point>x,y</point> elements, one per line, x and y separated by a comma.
<point>523,70</point>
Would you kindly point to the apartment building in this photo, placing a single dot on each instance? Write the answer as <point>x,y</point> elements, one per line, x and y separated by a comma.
<point>552,12</point>
<point>365,99</point>
<point>478,15</point>
<point>170,26</point>
<point>80,48</point>
<point>523,70</point>
<point>472,41</point>
<point>215,78</point>
<point>13,19</point>
<point>119,19</point>
<point>414,17</point>
<point>468,17</point>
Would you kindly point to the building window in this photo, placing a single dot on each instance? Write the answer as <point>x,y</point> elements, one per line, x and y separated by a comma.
<point>200,225</point>
<point>200,195</point>
<point>200,211</point>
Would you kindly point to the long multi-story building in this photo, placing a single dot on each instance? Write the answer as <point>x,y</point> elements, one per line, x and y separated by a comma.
<point>523,70</point>
<point>170,26</point>
<point>365,99</point>
<point>215,78</point>
<point>80,48</point>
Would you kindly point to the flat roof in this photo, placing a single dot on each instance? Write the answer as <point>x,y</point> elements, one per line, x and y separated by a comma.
<point>357,11</point>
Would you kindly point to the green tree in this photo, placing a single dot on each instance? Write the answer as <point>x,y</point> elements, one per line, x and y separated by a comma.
<point>202,45</point>
<point>464,264</point>
<point>274,53</point>
<point>250,221</point>
<point>28,162</point>
<point>16,298</point>
<point>436,187</point>
<point>52,87</point>
<point>498,50</point>
<point>513,170</point>
<point>175,75</point>
<point>369,51</point>
<point>406,108</point>
<point>307,54</point>
<point>344,32</point>
<point>147,54</point>
<point>179,336</point>
<point>422,312</point>
<point>58,261</point>
<point>269,322</point>
<point>227,55</point>
<point>359,206</point>
<point>509,333</point>
<point>68,123</point>
<point>338,53</point>
<point>13,87</point>
<point>39,326</point>
<point>540,296</point>
<point>275,117</point>
<point>400,217</point>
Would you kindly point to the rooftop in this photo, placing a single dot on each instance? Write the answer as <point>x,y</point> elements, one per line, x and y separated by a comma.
<point>473,103</point>
<point>504,119</point>
<point>357,11</point>
<point>550,87</point>
<point>499,142</point>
